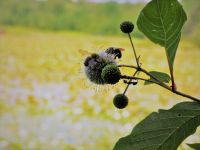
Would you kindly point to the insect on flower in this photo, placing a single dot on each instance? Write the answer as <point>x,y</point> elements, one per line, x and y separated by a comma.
<point>95,63</point>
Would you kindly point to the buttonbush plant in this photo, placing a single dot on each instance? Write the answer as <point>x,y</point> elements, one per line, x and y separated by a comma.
<point>161,21</point>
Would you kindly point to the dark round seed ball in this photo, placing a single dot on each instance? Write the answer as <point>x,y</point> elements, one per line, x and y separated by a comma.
<point>93,71</point>
<point>120,101</point>
<point>111,74</point>
<point>126,27</point>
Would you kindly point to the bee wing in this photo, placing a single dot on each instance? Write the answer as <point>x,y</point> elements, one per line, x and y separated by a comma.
<point>84,52</point>
<point>121,49</point>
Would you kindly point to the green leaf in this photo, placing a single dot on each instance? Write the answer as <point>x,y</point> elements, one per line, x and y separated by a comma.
<point>164,130</point>
<point>163,77</point>
<point>195,146</point>
<point>161,21</point>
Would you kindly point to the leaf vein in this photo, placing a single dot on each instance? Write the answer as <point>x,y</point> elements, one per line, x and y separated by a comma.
<point>150,21</point>
<point>158,38</point>
<point>159,11</point>
<point>177,129</point>
<point>178,28</point>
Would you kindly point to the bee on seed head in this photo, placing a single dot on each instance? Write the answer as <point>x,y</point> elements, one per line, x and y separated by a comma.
<point>96,62</point>
<point>109,55</point>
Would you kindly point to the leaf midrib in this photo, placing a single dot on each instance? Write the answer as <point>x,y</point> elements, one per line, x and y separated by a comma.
<point>165,34</point>
<point>159,11</point>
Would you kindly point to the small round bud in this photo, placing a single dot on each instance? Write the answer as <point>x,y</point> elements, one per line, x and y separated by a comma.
<point>111,74</point>
<point>126,27</point>
<point>120,101</point>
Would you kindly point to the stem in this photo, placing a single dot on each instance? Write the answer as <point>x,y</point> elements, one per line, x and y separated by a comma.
<point>129,84</point>
<point>138,78</point>
<point>137,61</point>
<point>157,81</point>
<point>136,58</point>
<point>134,78</point>
<point>172,78</point>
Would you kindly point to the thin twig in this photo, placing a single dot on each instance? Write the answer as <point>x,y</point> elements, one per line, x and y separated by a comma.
<point>129,82</point>
<point>138,78</point>
<point>157,81</point>
<point>143,70</point>
<point>136,58</point>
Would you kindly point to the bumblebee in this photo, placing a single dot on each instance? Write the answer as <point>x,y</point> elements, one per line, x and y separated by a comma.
<point>116,52</point>
<point>110,54</point>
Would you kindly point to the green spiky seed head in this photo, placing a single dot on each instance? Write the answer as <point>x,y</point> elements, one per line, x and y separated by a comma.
<point>126,27</point>
<point>120,101</point>
<point>111,74</point>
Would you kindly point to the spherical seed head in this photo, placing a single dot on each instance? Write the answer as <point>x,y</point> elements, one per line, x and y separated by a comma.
<point>94,65</point>
<point>94,69</point>
<point>126,27</point>
<point>120,101</point>
<point>111,74</point>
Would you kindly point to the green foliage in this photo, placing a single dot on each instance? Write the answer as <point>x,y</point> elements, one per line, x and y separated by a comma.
<point>82,16</point>
<point>163,130</point>
<point>161,21</point>
<point>192,8</point>
<point>66,15</point>
<point>159,75</point>
<point>195,146</point>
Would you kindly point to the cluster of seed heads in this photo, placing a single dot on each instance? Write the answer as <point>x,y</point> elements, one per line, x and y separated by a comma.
<point>102,68</point>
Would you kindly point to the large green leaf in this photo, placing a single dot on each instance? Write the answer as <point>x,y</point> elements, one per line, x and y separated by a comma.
<point>195,146</point>
<point>161,21</point>
<point>164,130</point>
<point>163,77</point>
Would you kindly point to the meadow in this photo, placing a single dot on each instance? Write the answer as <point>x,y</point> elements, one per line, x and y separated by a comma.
<point>46,102</point>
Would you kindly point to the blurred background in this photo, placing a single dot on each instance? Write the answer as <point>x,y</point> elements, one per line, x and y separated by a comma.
<point>47,103</point>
